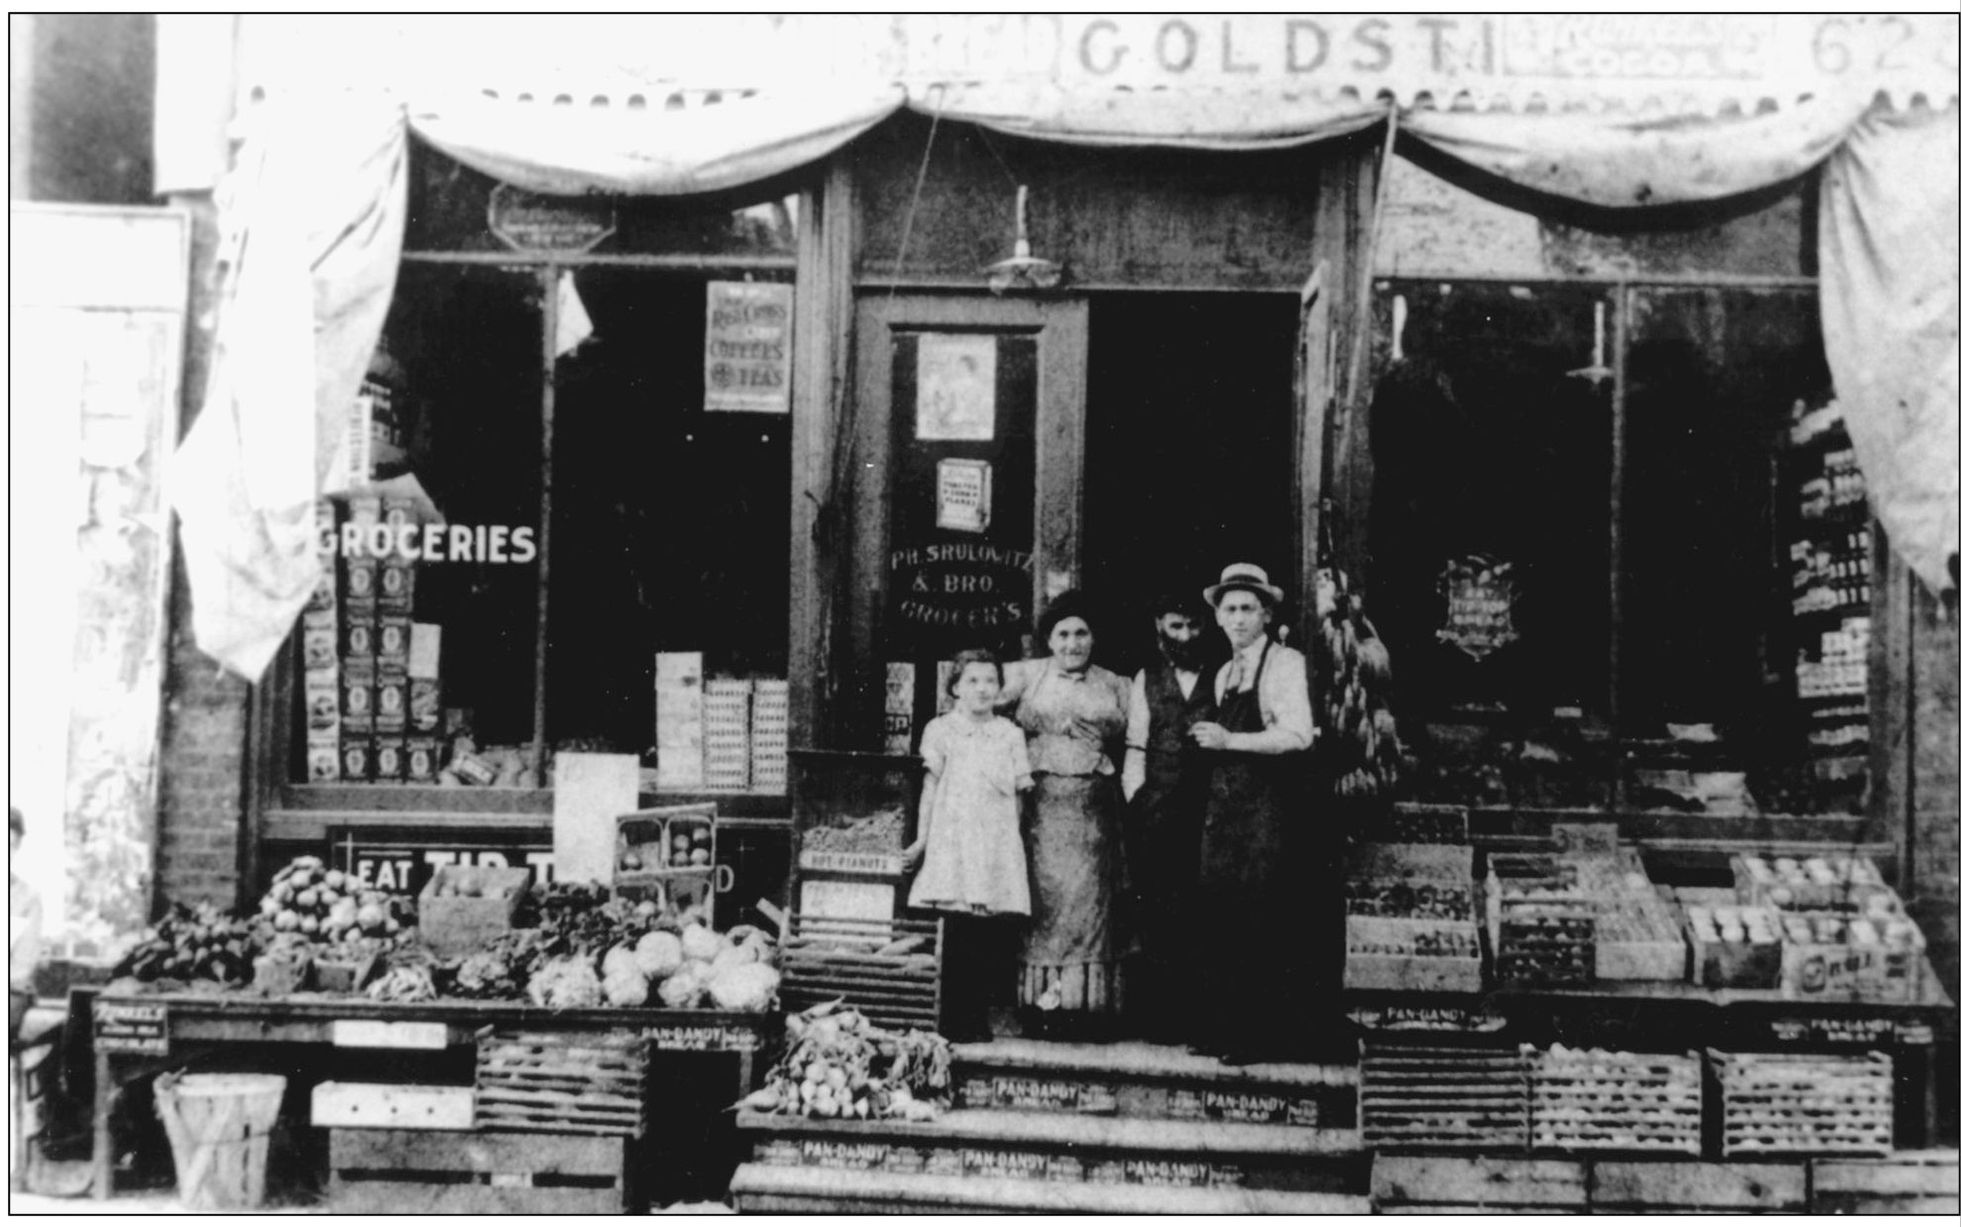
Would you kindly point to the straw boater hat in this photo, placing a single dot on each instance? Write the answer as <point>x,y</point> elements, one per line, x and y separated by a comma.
<point>1247,576</point>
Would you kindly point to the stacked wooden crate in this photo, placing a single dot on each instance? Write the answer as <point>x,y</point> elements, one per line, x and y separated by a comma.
<point>1541,922</point>
<point>1594,1100</point>
<point>558,1082</point>
<point>1437,1184</point>
<point>889,970</point>
<point>1804,1103</point>
<point>1427,1097</point>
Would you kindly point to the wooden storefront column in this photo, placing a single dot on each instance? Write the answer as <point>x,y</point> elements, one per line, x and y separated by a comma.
<point>1342,233</point>
<point>820,486</point>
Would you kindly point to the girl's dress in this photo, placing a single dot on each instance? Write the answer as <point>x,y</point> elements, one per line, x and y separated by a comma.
<point>1070,957</point>
<point>974,860</point>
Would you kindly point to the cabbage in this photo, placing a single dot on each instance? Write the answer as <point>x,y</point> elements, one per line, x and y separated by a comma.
<point>566,984</point>
<point>701,942</point>
<point>735,954</point>
<point>658,955</point>
<point>685,988</point>
<point>619,958</point>
<point>744,986</point>
<point>625,986</point>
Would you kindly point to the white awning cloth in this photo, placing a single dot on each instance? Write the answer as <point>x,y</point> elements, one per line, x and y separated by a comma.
<point>635,151</point>
<point>1207,120</point>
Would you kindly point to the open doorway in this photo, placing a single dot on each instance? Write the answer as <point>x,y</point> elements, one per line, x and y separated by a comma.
<point>1190,454</point>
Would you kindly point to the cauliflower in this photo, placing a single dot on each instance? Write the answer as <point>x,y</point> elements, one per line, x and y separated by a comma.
<point>747,986</point>
<point>701,942</point>
<point>685,989</point>
<point>658,955</point>
<point>566,983</point>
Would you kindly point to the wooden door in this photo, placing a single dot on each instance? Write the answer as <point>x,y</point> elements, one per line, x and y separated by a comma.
<point>967,464</point>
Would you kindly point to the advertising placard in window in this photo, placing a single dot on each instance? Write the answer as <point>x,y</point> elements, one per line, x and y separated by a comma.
<point>747,355</point>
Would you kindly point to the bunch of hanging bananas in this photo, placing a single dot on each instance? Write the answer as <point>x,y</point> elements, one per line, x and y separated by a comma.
<point>1365,752</point>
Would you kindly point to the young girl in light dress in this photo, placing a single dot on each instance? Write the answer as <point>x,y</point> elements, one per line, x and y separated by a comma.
<point>969,856</point>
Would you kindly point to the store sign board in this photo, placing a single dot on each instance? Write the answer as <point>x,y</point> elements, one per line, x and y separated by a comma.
<point>404,869</point>
<point>528,221</point>
<point>1480,597</point>
<point>961,587</point>
<point>132,1027</point>
<point>746,360</point>
<point>1857,1030</point>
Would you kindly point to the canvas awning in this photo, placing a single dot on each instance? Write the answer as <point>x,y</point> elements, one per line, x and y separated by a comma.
<point>314,212</point>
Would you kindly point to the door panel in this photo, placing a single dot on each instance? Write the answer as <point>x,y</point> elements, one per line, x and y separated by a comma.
<point>967,457</point>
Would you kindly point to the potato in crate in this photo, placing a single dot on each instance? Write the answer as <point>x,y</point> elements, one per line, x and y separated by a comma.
<point>1804,1103</point>
<point>1596,1100</point>
<point>464,906</point>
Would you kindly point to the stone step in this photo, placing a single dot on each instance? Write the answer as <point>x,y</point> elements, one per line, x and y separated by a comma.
<point>1137,1080</point>
<point>979,1143</point>
<point>760,1188</point>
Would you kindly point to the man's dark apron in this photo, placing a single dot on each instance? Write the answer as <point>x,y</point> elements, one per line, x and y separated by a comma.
<point>1246,876</point>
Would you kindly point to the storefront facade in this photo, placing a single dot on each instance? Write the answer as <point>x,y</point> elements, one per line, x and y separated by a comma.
<point>1235,289</point>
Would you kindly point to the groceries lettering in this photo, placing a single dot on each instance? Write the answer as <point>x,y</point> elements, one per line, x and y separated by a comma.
<point>962,585</point>
<point>494,543</point>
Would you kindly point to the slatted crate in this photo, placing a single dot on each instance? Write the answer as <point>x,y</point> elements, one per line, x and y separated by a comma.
<point>1541,923</point>
<point>1450,1184</point>
<point>562,1082</point>
<point>1444,1098</point>
<point>1593,1100</point>
<point>1804,1103</point>
<point>889,970</point>
<point>1911,1182</point>
<point>406,1171</point>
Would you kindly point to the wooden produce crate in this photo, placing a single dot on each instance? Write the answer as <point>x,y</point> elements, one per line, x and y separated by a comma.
<point>1444,1184</point>
<point>406,1171</point>
<point>464,906</point>
<point>1541,922</point>
<point>888,970</point>
<point>344,976</point>
<point>1592,1100</point>
<point>562,1082</point>
<point>1420,1097</point>
<point>1804,1103</point>
<point>373,1105</point>
<point>1911,1182</point>
<point>1389,952</point>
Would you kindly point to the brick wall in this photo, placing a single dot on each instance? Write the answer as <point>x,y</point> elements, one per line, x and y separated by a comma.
<point>201,776</point>
<point>200,802</point>
<point>1936,790</point>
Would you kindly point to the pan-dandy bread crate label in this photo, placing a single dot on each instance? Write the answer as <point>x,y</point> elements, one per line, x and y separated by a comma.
<point>683,1037</point>
<point>1244,1107</point>
<point>1019,1164</point>
<point>1039,1094</point>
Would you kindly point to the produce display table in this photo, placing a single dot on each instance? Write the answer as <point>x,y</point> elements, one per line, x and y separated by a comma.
<point>143,1032</point>
<point>1661,1015</point>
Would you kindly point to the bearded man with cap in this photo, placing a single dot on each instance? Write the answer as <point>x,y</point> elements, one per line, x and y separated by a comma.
<point>1164,783</point>
<point>1251,891</point>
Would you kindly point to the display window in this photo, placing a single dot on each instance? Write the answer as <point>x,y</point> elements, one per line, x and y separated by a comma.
<point>568,523</point>
<point>1596,595</point>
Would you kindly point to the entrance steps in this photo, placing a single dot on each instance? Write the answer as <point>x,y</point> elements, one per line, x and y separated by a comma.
<point>1066,1128</point>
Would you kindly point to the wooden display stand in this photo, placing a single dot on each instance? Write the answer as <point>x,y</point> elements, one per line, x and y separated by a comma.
<point>849,935</point>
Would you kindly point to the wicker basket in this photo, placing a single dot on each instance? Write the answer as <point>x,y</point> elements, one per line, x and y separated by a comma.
<point>220,1128</point>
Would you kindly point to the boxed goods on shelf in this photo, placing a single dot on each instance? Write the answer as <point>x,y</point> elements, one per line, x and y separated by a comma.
<point>1636,934</point>
<point>1733,946</point>
<point>1804,1103</point>
<point>1541,922</point>
<point>1818,881</point>
<point>1411,923</point>
<point>1423,1097</point>
<point>1588,1099</point>
<point>1871,956</point>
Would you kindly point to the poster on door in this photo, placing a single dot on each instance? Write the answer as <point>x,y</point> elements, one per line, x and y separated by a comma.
<point>746,365</point>
<point>956,387</point>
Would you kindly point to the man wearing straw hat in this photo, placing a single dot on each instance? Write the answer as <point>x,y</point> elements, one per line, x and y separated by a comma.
<point>1250,892</point>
